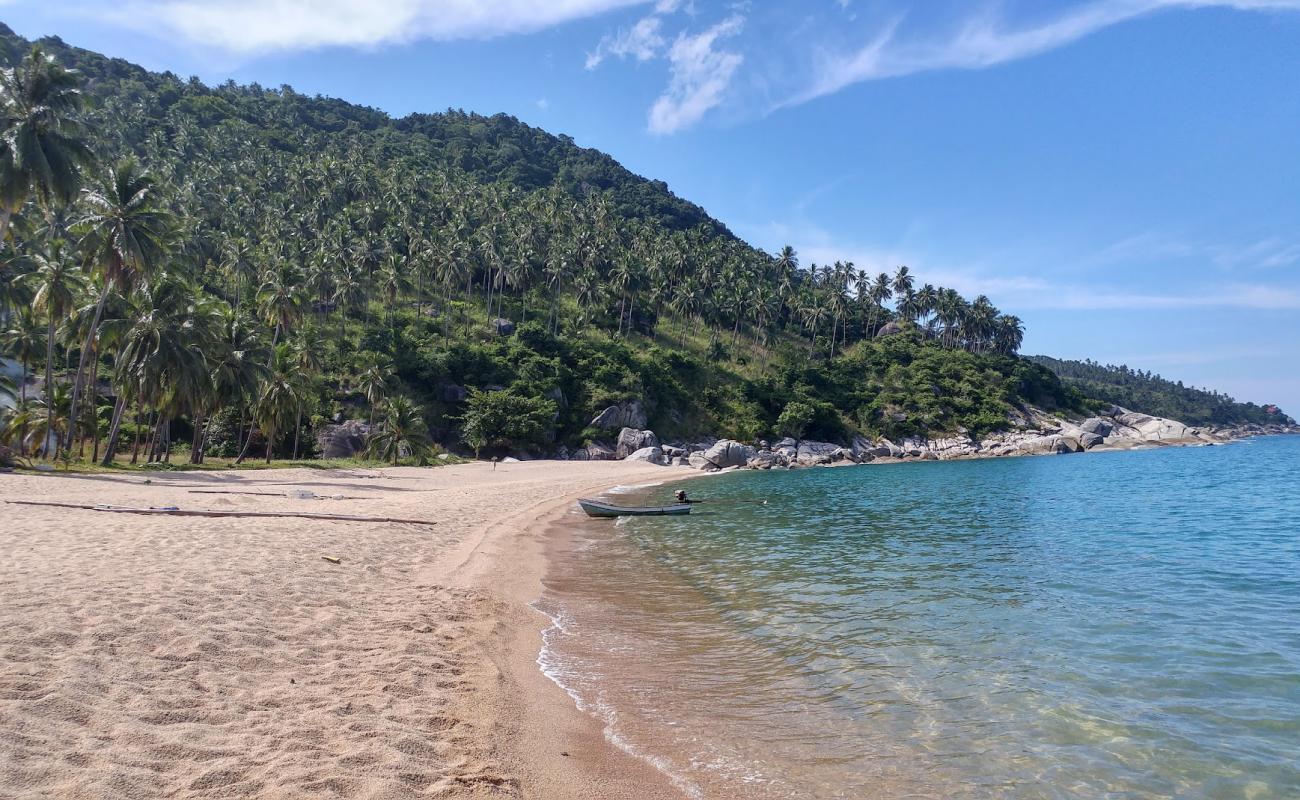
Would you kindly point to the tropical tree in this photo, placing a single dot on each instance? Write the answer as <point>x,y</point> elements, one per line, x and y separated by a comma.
<point>128,234</point>
<point>403,431</point>
<point>43,147</point>
<point>25,339</point>
<point>57,282</point>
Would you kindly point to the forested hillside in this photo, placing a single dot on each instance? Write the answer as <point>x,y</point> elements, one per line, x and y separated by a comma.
<point>231,268</point>
<point>1155,395</point>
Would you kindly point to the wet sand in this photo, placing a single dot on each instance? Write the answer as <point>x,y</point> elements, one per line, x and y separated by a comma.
<point>145,656</point>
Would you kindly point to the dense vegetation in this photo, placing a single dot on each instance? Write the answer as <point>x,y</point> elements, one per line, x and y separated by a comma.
<point>234,267</point>
<point>1155,395</point>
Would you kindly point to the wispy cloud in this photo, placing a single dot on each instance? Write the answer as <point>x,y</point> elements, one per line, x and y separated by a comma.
<point>258,26</point>
<point>643,41</point>
<point>984,40</point>
<point>1024,290</point>
<point>699,75</point>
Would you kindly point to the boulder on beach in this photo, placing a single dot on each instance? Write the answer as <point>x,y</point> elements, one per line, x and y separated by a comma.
<point>700,462</point>
<point>598,451</point>
<point>813,453</point>
<point>650,455</point>
<point>630,440</point>
<point>729,453</point>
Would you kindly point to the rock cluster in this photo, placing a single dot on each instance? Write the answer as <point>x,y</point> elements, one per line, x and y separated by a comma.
<point>1030,432</point>
<point>344,440</point>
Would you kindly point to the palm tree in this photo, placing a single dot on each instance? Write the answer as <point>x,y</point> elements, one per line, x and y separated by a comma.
<point>374,384</point>
<point>57,282</point>
<point>128,234</point>
<point>1009,333</point>
<point>280,298</point>
<point>404,428</point>
<point>281,396</point>
<point>902,283</point>
<point>26,340</point>
<point>42,148</point>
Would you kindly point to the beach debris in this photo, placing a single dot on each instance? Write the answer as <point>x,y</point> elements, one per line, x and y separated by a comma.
<point>198,512</point>
<point>297,494</point>
<point>332,560</point>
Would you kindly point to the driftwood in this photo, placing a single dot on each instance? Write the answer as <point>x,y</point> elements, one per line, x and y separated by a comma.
<point>278,494</point>
<point>197,512</point>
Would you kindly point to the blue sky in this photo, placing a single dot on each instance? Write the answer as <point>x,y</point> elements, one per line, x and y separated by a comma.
<point>1123,174</point>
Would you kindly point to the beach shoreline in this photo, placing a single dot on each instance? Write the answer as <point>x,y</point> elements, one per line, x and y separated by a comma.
<point>200,657</point>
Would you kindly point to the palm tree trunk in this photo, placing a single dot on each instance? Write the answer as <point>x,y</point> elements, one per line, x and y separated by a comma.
<point>49,388</point>
<point>114,429</point>
<point>22,395</point>
<point>81,363</point>
<point>297,428</point>
<point>196,441</point>
<point>135,446</point>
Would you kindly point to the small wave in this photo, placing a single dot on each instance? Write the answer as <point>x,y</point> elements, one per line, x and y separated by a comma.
<point>549,664</point>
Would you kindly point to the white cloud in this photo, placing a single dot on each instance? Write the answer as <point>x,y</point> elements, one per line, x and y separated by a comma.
<point>642,41</point>
<point>699,75</point>
<point>543,103</point>
<point>986,40</point>
<point>255,26</point>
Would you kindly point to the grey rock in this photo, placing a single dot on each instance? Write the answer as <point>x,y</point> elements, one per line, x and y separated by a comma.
<point>503,327</point>
<point>728,453</point>
<point>630,440</point>
<point>651,455</point>
<point>344,440</point>
<point>452,393</point>
<point>700,462</point>
<point>628,414</point>
<point>812,453</point>
<point>599,451</point>
<point>1096,425</point>
<point>1089,440</point>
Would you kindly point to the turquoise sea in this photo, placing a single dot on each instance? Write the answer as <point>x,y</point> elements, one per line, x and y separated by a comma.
<point>1118,625</point>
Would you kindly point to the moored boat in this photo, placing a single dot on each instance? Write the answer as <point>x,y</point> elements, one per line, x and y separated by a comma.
<point>599,508</point>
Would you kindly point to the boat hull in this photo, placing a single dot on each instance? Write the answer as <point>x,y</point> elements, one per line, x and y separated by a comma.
<point>598,508</point>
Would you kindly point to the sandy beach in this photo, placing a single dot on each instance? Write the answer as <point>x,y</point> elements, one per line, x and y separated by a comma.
<point>162,656</point>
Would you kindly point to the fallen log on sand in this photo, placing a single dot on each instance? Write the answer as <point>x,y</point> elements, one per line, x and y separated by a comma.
<point>196,512</point>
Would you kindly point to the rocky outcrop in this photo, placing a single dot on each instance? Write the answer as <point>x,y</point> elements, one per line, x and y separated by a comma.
<point>503,327</point>
<point>344,440</point>
<point>452,393</point>
<point>627,414</point>
<point>1096,425</point>
<point>630,440</point>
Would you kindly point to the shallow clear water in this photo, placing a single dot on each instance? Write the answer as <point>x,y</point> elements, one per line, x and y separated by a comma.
<point>1112,625</point>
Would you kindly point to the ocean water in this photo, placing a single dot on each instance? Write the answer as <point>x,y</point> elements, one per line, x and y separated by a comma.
<point>1119,625</point>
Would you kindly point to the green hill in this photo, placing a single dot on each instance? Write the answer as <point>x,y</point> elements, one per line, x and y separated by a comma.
<point>1158,396</point>
<point>322,261</point>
